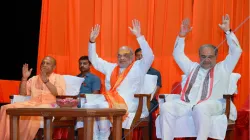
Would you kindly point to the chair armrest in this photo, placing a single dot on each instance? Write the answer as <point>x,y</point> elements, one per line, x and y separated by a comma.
<point>11,97</point>
<point>140,96</point>
<point>140,106</point>
<point>82,96</point>
<point>162,96</point>
<point>228,97</point>
<point>168,97</point>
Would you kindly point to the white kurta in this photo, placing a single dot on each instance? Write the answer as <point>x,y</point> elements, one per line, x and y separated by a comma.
<point>201,113</point>
<point>222,69</point>
<point>133,82</point>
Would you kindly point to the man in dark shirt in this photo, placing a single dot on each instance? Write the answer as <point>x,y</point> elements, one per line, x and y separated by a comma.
<point>92,83</point>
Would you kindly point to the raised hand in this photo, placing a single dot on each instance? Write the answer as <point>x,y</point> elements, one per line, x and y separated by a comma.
<point>136,30</point>
<point>225,26</point>
<point>94,33</point>
<point>26,71</point>
<point>185,28</point>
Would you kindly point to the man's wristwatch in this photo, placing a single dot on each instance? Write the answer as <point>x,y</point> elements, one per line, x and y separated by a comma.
<point>228,32</point>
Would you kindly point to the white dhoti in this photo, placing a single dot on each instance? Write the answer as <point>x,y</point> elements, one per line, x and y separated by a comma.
<point>201,113</point>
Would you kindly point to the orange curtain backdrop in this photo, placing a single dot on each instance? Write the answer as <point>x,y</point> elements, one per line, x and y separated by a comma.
<point>66,25</point>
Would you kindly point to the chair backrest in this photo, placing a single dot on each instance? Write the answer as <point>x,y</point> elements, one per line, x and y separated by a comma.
<point>19,98</point>
<point>73,84</point>
<point>149,85</point>
<point>232,87</point>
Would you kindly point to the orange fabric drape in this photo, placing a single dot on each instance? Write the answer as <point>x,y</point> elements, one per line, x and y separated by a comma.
<point>66,25</point>
<point>7,88</point>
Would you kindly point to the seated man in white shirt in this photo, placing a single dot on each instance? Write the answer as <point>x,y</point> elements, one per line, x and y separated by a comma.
<point>124,78</point>
<point>202,95</point>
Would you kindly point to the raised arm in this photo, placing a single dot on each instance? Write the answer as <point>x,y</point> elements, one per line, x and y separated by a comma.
<point>147,53</point>
<point>98,63</point>
<point>23,84</point>
<point>179,55</point>
<point>234,47</point>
